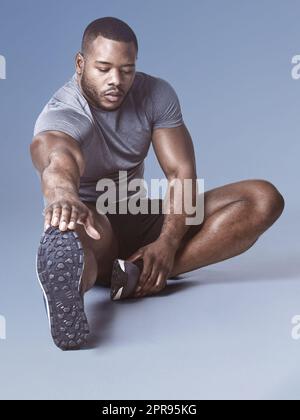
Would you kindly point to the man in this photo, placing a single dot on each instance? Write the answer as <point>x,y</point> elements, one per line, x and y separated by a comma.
<point>99,123</point>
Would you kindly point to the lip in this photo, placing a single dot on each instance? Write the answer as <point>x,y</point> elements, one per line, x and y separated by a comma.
<point>113,97</point>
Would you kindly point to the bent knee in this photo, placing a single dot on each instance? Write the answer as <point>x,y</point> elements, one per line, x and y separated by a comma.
<point>268,202</point>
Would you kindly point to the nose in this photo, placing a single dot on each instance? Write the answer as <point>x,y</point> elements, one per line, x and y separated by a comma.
<point>115,78</point>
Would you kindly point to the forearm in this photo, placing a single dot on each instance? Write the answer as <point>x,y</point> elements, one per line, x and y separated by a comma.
<point>175,227</point>
<point>61,178</point>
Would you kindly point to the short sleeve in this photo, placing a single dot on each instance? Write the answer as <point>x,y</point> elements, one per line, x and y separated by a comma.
<point>166,110</point>
<point>59,116</point>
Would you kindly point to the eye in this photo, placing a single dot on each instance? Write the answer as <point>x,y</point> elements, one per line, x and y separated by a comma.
<point>123,71</point>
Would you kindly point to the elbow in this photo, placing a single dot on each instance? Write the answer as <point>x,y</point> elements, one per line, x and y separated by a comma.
<point>183,172</point>
<point>33,151</point>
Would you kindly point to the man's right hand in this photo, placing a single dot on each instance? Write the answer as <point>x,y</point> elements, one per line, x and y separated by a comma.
<point>66,213</point>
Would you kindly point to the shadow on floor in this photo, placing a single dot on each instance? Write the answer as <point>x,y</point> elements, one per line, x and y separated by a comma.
<point>102,313</point>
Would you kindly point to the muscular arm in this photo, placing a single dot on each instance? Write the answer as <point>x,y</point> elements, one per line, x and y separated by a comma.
<point>175,153</point>
<point>60,163</point>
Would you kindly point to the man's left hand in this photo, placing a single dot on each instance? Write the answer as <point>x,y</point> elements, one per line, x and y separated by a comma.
<point>158,261</point>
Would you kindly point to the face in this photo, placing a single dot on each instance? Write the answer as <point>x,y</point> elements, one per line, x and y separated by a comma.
<point>106,72</point>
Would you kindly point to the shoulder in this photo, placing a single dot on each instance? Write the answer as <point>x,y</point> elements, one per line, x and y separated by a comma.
<point>69,96</point>
<point>152,85</point>
<point>67,111</point>
<point>162,103</point>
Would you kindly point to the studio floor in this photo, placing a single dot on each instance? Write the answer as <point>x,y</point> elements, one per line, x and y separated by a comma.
<point>220,332</point>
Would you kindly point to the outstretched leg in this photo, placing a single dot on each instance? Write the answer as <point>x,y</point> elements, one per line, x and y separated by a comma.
<point>99,254</point>
<point>68,264</point>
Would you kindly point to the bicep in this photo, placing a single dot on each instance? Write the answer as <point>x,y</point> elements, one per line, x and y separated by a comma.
<point>48,145</point>
<point>174,150</point>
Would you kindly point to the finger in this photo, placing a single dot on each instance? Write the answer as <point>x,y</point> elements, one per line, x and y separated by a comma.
<point>147,270</point>
<point>158,287</point>
<point>48,217</point>
<point>149,284</point>
<point>73,218</point>
<point>160,282</point>
<point>82,218</point>
<point>136,256</point>
<point>90,229</point>
<point>65,217</point>
<point>56,216</point>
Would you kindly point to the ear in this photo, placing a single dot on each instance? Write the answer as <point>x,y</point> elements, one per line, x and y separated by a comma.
<point>79,62</point>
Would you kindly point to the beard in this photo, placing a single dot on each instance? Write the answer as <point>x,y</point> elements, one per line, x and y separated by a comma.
<point>90,92</point>
<point>93,96</point>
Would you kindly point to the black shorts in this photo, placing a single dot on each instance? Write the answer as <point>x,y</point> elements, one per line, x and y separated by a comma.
<point>134,231</point>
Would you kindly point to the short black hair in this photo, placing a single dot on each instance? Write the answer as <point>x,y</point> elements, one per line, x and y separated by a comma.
<point>110,28</point>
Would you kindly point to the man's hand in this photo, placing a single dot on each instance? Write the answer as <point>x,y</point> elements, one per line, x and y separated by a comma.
<point>67,212</point>
<point>158,260</point>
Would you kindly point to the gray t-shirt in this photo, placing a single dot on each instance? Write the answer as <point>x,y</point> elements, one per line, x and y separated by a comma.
<point>112,141</point>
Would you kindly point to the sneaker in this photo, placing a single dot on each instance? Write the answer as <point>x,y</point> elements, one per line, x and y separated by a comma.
<point>60,263</point>
<point>124,279</point>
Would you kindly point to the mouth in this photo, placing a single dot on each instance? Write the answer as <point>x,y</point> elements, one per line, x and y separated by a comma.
<point>113,97</point>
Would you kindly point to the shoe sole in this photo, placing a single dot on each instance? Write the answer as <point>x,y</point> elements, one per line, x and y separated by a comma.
<point>60,263</point>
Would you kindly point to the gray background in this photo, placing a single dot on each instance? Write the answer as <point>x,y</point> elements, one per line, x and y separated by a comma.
<point>220,332</point>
